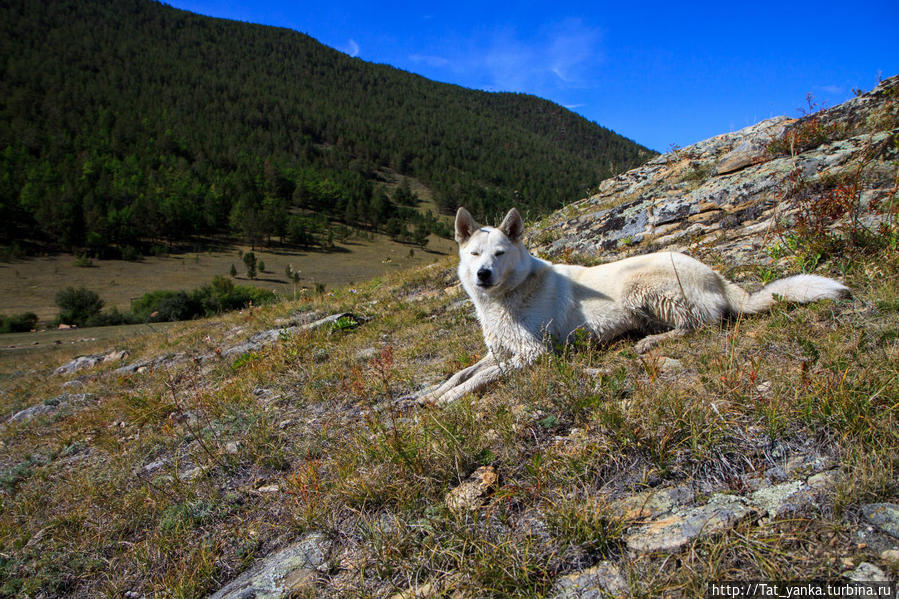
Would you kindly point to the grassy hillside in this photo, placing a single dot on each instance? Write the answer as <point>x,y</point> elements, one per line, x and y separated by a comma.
<point>170,482</point>
<point>131,123</point>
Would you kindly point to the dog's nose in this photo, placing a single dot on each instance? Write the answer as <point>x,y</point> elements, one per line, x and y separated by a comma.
<point>484,274</point>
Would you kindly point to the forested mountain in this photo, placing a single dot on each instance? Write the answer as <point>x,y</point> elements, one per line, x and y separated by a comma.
<point>126,122</point>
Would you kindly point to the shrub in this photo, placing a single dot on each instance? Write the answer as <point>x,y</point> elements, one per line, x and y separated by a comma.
<point>249,260</point>
<point>112,318</point>
<point>77,306</point>
<point>18,323</point>
<point>808,132</point>
<point>221,295</point>
<point>131,253</point>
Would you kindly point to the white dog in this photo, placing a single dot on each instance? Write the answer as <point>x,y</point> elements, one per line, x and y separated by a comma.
<point>522,301</point>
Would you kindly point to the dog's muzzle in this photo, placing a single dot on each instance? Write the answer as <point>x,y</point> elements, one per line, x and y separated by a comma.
<point>484,276</point>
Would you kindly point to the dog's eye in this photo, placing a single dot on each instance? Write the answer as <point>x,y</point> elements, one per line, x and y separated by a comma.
<point>499,253</point>
<point>476,253</point>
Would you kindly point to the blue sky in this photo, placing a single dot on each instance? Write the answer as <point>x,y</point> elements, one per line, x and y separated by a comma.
<point>659,73</point>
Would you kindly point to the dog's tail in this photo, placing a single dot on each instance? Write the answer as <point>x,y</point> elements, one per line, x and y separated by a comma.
<point>798,288</point>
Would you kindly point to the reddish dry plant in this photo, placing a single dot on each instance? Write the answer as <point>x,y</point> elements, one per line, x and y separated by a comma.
<point>383,367</point>
<point>807,133</point>
<point>829,214</point>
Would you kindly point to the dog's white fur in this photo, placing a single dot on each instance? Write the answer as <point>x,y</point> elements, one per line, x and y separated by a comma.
<point>521,300</point>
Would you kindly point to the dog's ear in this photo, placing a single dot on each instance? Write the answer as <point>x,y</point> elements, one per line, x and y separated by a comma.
<point>465,225</point>
<point>512,225</point>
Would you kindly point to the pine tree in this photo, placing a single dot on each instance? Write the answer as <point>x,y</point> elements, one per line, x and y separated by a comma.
<point>249,260</point>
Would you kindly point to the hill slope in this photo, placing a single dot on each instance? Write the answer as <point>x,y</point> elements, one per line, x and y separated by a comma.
<point>128,121</point>
<point>265,454</point>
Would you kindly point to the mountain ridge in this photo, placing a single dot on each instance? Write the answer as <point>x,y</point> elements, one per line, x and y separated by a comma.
<point>135,121</point>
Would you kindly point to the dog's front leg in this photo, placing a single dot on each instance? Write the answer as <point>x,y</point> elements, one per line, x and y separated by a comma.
<point>488,374</point>
<point>460,377</point>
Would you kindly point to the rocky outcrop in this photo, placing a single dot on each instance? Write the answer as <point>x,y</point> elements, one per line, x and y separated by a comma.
<point>50,406</point>
<point>89,361</point>
<point>286,573</point>
<point>727,192</point>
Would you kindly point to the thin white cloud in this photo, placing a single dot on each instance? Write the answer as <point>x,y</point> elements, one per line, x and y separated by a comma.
<point>431,61</point>
<point>562,55</point>
<point>831,89</point>
<point>352,48</point>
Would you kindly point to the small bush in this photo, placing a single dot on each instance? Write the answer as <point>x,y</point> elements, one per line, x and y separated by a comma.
<point>249,260</point>
<point>77,306</point>
<point>806,133</point>
<point>222,295</point>
<point>112,318</point>
<point>18,323</point>
<point>131,253</point>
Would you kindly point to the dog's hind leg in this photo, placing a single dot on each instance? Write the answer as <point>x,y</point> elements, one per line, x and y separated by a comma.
<point>647,343</point>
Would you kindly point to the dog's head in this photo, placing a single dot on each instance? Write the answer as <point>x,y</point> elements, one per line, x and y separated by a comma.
<point>490,258</point>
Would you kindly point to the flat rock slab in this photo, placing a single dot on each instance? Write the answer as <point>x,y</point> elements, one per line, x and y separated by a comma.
<point>282,574</point>
<point>650,504</point>
<point>673,532</point>
<point>49,406</point>
<point>89,361</point>
<point>781,499</point>
<point>884,516</point>
<point>599,582</point>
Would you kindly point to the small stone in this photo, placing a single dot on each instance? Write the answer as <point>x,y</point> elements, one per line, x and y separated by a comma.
<point>867,572</point>
<point>600,581</point>
<point>470,494</point>
<point>885,516</point>
<point>191,474</point>
<point>891,558</point>
<point>268,489</point>
<point>364,355</point>
<point>153,466</point>
<point>232,447</point>
<point>824,480</point>
<point>670,365</point>
<point>597,372</point>
<point>422,591</point>
<point>29,413</point>
<point>115,356</point>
